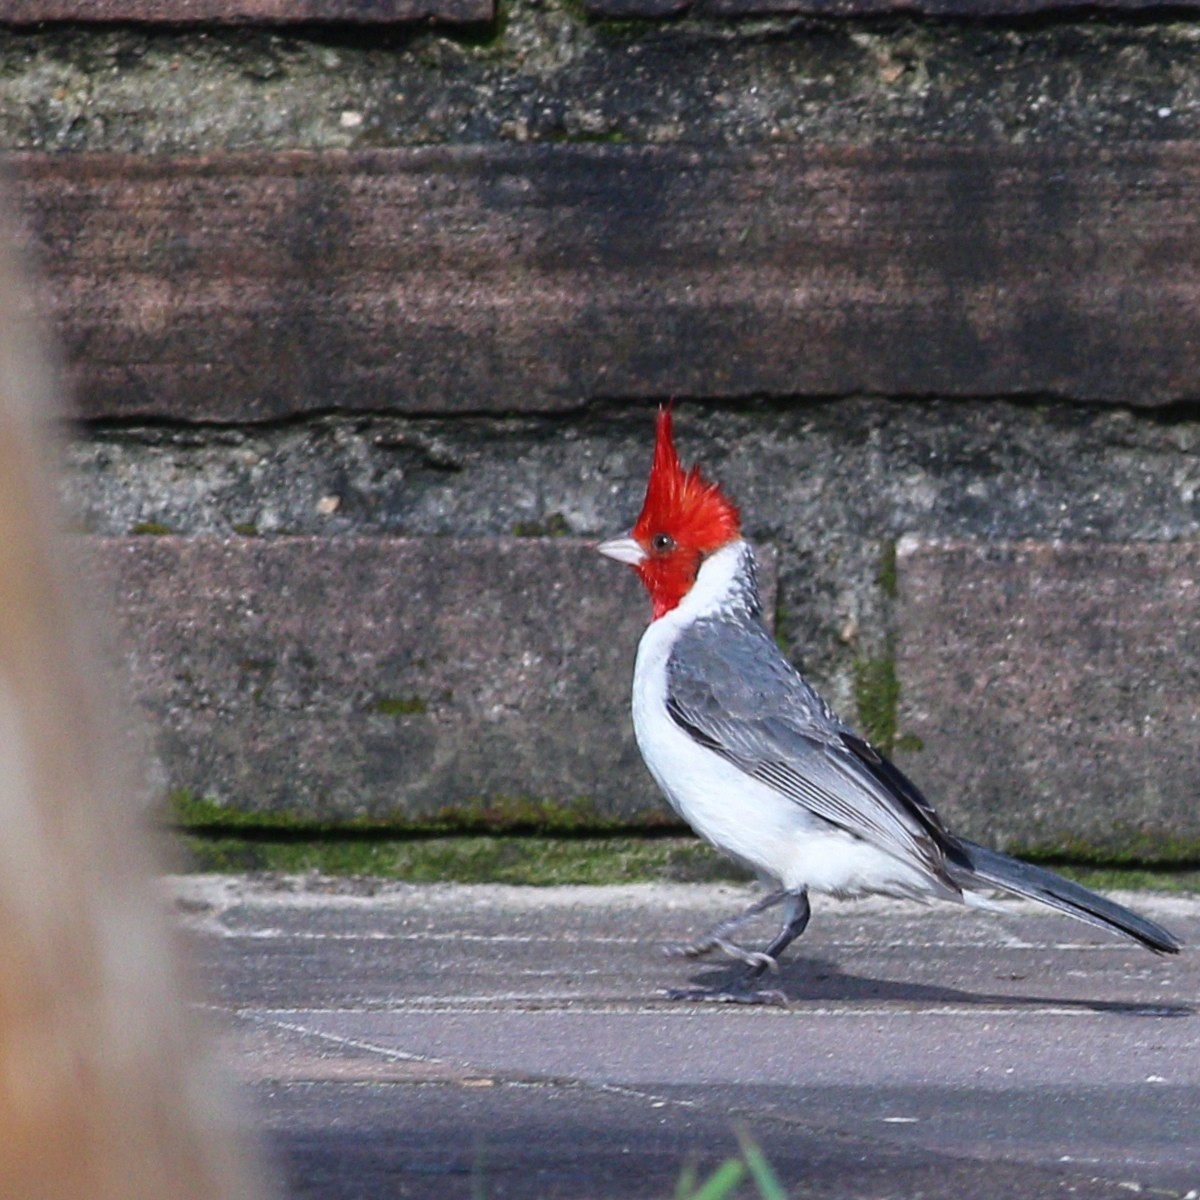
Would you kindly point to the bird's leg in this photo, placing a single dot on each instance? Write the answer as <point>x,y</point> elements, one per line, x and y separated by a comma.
<point>794,924</point>
<point>742,990</point>
<point>717,938</point>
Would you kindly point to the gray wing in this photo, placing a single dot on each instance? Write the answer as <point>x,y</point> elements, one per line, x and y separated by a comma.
<point>730,689</point>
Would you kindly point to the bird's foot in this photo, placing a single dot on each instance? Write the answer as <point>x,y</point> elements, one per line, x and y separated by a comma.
<point>752,958</point>
<point>734,994</point>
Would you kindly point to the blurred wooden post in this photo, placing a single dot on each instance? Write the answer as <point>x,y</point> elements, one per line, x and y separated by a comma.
<point>106,1090</point>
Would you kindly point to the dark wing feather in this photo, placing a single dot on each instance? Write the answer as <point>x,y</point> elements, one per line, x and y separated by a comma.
<point>731,690</point>
<point>895,781</point>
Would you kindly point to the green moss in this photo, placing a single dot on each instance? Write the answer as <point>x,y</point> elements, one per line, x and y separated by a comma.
<point>887,577</point>
<point>621,27</point>
<point>555,525</point>
<point>544,861</point>
<point>491,815</point>
<point>908,743</point>
<point>200,814</point>
<point>877,696</point>
<point>486,36</point>
<point>1128,879</point>
<point>538,814</point>
<point>567,847</point>
<point>876,685</point>
<point>246,529</point>
<point>1123,847</point>
<point>150,529</point>
<point>400,706</point>
<point>524,860</point>
<point>576,10</point>
<point>187,811</point>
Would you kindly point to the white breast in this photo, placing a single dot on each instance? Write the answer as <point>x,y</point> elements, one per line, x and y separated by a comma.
<point>769,833</point>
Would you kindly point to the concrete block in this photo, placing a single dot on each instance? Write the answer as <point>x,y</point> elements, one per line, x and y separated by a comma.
<point>505,278</point>
<point>1055,689</point>
<point>391,679</point>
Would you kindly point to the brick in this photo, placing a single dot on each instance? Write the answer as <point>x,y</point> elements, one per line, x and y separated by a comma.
<point>262,12</point>
<point>534,278</point>
<point>390,678</point>
<point>1055,688</point>
<point>652,9</point>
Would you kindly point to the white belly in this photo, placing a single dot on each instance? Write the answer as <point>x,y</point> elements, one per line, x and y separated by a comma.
<point>766,831</point>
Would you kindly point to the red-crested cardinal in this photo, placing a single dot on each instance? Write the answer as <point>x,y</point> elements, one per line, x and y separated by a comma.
<point>758,764</point>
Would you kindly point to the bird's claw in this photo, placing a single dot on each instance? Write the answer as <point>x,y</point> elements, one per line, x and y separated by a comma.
<point>752,958</point>
<point>691,949</point>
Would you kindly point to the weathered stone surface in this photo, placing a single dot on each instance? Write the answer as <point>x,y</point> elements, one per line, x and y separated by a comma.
<point>548,74</point>
<point>388,678</point>
<point>447,280</point>
<point>831,484</point>
<point>1056,690</point>
<point>188,12</point>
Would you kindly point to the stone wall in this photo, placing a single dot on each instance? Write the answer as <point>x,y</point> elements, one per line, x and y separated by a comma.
<point>367,307</point>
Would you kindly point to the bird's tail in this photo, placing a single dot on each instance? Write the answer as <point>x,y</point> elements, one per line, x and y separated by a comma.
<point>976,865</point>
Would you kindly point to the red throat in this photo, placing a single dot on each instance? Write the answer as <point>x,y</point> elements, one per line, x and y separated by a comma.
<point>683,520</point>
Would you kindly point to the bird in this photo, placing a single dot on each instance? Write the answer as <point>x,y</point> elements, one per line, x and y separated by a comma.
<point>748,753</point>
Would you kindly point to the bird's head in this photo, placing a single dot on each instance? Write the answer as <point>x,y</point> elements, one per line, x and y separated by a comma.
<point>684,519</point>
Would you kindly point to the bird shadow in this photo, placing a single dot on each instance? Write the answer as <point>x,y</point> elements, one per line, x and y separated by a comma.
<point>807,981</point>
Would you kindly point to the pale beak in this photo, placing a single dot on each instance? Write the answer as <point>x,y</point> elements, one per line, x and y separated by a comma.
<point>623,549</point>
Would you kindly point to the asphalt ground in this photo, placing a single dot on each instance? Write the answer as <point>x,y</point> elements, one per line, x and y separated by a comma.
<point>477,1041</point>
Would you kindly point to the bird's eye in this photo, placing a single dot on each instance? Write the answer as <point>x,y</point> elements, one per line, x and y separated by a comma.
<point>663,543</point>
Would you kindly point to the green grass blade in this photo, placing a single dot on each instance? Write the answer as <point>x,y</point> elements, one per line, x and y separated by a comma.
<point>723,1182</point>
<point>765,1179</point>
<point>688,1178</point>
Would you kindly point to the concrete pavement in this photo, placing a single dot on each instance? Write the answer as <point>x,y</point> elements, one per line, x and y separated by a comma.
<point>449,1041</point>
